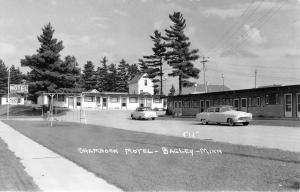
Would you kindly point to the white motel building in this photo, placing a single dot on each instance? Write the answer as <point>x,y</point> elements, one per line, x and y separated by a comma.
<point>140,95</point>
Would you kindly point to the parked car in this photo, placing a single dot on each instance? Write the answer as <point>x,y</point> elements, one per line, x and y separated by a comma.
<point>160,111</point>
<point>143,113</point>
<point>224,114</point>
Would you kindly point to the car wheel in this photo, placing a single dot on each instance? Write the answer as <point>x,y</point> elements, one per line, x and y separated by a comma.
<point>153,118</point>
<point>132,117</point>
<point>245,123</point>
<point>230,122</point>
<point>204,122</point>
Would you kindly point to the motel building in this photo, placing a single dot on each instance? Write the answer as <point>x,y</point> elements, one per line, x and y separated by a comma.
<point>140,95</point>
<point>266,102</point>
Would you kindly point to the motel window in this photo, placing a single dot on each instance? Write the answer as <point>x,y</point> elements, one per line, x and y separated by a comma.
<point>179,104</point>
<point>272,99</point>
<point>186,104</point>
<point>157,100</point>
<point>196,104</point>
<point>114,99</point>
<point>176,104</point>
<point>145,82</point>
<point>60,98</point>
<point>267,99</point>
<point>133,100</point>
<point>258,101</point>
<point>88,99</point>
<point>249,102</point>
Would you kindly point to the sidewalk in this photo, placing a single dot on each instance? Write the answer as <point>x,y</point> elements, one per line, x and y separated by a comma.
<point>50,171</point>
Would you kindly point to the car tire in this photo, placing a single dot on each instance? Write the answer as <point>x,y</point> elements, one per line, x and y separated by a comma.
<point>230,122</point>
<point>245,123</point>
<point>204,122</point>
<point>132,117</point>
<point>153,118</point>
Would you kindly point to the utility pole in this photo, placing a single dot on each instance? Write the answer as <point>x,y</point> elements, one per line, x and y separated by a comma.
<point>8,81</point>
<point>204,69</point>
<point>255,78</point>
<point>223,81</point>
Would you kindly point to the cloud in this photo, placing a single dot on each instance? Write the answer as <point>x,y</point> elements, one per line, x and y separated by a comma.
<point>121,13</point>
<point>222,13</point>
<point>7,49</point>
<point>252,34</point>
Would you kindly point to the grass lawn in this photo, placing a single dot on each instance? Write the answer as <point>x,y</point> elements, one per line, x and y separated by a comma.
<point>237,168</point>
<point>12,174</point>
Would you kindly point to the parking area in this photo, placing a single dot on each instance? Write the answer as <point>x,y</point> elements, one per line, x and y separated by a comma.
<point>278,137</point>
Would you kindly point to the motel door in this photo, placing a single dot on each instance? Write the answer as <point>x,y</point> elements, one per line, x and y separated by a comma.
<point>288,105</point>
<point>148,102</point>
<point>236,104</point>
<point>244,104</point>
<point>71,102</point>
<point>124,102</point>
<point>98,101</point>
<point>104,103</point>
<point>298,104</point>
<point>142,102</point>
<point>202,106</point>
<point>78,102</point>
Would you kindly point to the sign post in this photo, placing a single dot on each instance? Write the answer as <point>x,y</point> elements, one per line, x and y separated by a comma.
<point>7,113</point>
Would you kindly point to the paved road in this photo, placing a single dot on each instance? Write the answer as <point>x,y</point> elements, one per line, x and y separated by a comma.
<point>278,137</point>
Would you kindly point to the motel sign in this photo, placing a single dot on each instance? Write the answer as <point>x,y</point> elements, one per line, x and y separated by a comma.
<point>18,88</point>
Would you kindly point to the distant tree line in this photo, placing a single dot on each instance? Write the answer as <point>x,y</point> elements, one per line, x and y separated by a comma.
<point>52,73</point>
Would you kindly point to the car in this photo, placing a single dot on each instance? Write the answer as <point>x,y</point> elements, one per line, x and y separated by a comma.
<point>160,111</point>
<point>143,113</point>
<point>224,114</point>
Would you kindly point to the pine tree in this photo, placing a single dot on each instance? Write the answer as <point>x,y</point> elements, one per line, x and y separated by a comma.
<point>154,62</point>
<point>172,91</point>
<point>48,72</point>
<point>102,76</point>
<point>178,54</point>
<point>123,76</point>
<point>112,77</point>
<point>16,76</point>
<point>89,76</point>
<point>133,70</point>
<point>3,78</point>
<point>143,66</point>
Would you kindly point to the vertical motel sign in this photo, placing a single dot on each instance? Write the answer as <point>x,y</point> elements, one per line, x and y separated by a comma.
<point>18,88</point>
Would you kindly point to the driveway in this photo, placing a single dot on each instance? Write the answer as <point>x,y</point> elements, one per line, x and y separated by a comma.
<point>278,137</point>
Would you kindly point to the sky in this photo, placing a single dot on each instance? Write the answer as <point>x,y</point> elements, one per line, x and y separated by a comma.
<point>238,36</point>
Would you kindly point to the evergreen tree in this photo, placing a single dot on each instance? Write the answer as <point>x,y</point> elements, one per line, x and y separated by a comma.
<point>102,76</point>
<point>123,76</point>
<point>172,91</point>
<point>16,76</point>
<point>154,62</point>
<point>89,76</point>
<point>48,72</point>
<point>143,66</point>
<point>112,78</point>
<point>133,70</point>
<point>178,54</point>
<point>3,78</point>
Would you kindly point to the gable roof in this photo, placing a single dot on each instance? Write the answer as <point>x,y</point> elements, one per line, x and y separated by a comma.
<point>200,89</point>
<point>136,78</point>
<point>12,95</point>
